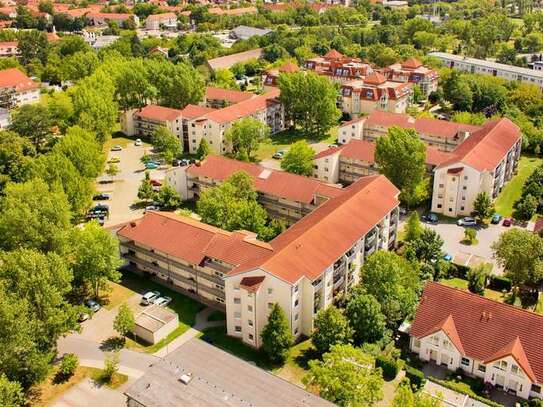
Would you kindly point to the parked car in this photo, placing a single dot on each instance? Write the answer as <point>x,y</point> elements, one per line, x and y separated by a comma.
<point>184,162</point>
<point>100,208</point>
<point>507,222</point>
<point>149,297</point>
<point>116,148</point>
<point>114,160</point>
<point>279,155</point>
<point>100,197</point>
<point>92,305</point>
<point>496,218</point>
<point>467,221</point>
<point>163,301</point>
<point>138,142</point>
<point>430,218</point>
<point>176,162</point>
<point>447,257</point>
<point>83,316</point>
<point>151,165</point>
<point>152,208</point>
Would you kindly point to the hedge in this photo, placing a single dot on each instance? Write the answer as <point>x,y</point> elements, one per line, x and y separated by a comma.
<point>458,389</point>
<point>500,283</point>
<point>390,367</point>
<point>415,376</point>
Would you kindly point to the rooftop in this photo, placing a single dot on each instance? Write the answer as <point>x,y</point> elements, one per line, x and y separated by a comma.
<point>229,60</point>
<point>154,318</point>
<point>159,113</point>
<point>14,78</point>
<point>231,96</point>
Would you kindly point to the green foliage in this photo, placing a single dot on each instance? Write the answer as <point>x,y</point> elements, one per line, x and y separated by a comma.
<point>477,279</point>
<point>405,397</point>
<point>401,156</point>
<point>60,109</point>
<point>346,377</point>
<point>331,328</point>
<point>167,197</point>
<point>204,149</point>
<point>166,143</point>
<point>145,190</point>
<point>366,318</point>
<point>299,159</point>
<point>111,367</point>
<point>276,336</point>
<point>15,157</point>
<point>67,366</point>
<point>520,253</point>
<point>470,235</point>
<point>11,393</point>
<point>499,283</point>
<point>413,227</point>
<point>245,136</point>
<point>427,247</point>
<point>79,65</point>
<point>33,122</point>
<point>389,366</point>
<point>124,322</point>
<point>81,148</point>
<point>525,208</point>
<point>415,376</point>
<point>133,87</point>
<point>224,78</point>
<point>483,207</point>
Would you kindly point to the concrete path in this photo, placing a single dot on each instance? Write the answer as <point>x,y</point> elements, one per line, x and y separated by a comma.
<point>201,324</point>
<point>88,394</point>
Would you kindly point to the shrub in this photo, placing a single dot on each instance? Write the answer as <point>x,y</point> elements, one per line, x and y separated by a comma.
<point>460,388</point>
<point>477,280</point>
<point>500,283</point>
<point>390,367</point>
<point>67,366</point>
<point>111,366</point>
<point>415,376</point>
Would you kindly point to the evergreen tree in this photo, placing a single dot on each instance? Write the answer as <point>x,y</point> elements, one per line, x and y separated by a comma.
<point>204,149</point>
<point>276,336</point>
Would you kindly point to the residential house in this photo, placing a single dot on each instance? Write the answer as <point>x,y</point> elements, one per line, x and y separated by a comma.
<point>414,72</point>
<point>17,89</point>
<point>9,48</point>
<point>5,118</point>
<point>495,342</point>
<point>271,76</point>
<point>103,18</point>
<point>338,67</point>
<point>158,21</point>
<point>375,92</point>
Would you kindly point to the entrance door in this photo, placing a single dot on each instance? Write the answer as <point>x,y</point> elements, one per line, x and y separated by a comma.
<point>433,355</point>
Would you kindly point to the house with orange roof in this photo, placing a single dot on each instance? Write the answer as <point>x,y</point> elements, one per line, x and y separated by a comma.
<point>9,48</point>
<point>271,76</point>
<point>414,72</point>
<point>338,67</point>
<point>303,269</point>
<point>21,89</point>
<point>495,342</point>
<point>99,18</point>
<point>156,21</point>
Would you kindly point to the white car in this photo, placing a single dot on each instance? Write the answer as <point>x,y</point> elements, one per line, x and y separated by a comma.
<point>467,221</point>
<point>149,297</point>
<point>163,301</point>
<point>138,142</point>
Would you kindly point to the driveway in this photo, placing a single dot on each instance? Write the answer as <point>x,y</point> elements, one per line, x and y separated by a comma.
<point>88,394</point>
<point>124,189</point>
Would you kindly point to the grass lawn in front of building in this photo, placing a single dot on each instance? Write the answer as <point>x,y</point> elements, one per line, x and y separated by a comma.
<point>296,366</point>
<point>116,295</point>
<point>463,285</point>
<point>512,191</point>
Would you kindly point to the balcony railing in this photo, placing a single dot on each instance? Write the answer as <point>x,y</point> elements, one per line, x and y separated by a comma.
<point>157,256</point>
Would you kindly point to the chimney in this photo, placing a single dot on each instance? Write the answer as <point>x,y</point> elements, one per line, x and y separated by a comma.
<point>483,316</point>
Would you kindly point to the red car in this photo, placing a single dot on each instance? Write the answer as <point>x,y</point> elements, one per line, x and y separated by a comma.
<point>507,222</point>
<point>156,183</point>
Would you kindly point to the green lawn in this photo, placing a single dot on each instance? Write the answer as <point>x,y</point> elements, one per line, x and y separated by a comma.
<point>511,192</point>
<point>296,366</point>
<point>463,285</point>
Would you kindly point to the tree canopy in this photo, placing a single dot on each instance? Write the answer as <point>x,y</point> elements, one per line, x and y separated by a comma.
<point>299,159</point>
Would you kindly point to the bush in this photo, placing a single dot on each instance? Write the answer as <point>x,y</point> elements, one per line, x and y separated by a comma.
<point>67,366</point>
<point>500,283</point>
<point>390,367</point>
<point>415,376</point>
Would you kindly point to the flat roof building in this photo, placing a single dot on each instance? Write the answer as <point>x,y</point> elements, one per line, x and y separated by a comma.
<point>155,323</point>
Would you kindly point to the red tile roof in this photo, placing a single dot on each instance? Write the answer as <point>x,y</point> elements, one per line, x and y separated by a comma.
<point>251,284</point>
<point>375,79</point>
<point>160,17</point>
<point>485,148</point>
<point>233,11</point>
<point>188,239</point>
<point>110,16</point>
<point>488,330</point>
<point>231,96</point>
<point>289,67</point>
<point>411,63</point>
<point>333,54</point>
<point>194,111</point>
<point>14,78</point>
<point>159,113</point>
<point>277,183</point>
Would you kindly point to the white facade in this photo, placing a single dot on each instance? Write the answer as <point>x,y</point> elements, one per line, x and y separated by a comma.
<point>350,130</point>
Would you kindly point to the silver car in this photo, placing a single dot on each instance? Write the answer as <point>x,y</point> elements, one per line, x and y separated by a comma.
<point>149,297</point>
<point>163,301</point>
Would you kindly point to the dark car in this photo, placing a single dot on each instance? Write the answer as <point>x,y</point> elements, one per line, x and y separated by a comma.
<point>100,197</point>
<point>92,305</point>
<point>496,219</point>
<point>430,218</point>
<point>175,162</point>
<point>507,222</point>
<point>100,208</point>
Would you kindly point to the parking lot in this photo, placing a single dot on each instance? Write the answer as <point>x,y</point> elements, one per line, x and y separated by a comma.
<point>123,190</point>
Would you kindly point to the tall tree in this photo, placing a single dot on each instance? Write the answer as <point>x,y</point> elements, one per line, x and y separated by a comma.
<point>166,143</point>
<point>61,109</point>
<point>245,136</point>
<point>132,84</point>
<point>482,206</point>
<point>15,157</point>
<point>124,322</point>
<point>168,197</point>
<point>401,156</point>
<point>428,246</point>
<point>413,227</point>
<point>405,397</point>
<point>520,252</point>
<point>34,123</point>
<point>276,336</point>
<point>204,149</point>
<point>346,377</point>
<point>32,45</point>
<point>331,328</point>
<point>145,190</point>
<point>299,159</point>
<point>366,318</point>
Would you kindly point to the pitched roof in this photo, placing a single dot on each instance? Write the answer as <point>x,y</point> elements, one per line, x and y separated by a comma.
<point>449,328</point>
<point>375,79</point>
<point>111,16</point>
<point>411,63</point>
<point>160,113</point>
<point>289,67</point>
<point>160,17</point>
<point>232,96</point>
<point>194,111</point>
<point>191,240</point>
<point>488,330</point>
<point>333,54</point>
<point>14,78</point>
<point>233,11</point>
<point>229,60</point>
<point>485,148</point>
<point>251,284</point>
<point>277,183</point>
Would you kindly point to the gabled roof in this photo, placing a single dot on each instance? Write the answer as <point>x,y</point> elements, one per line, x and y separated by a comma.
<point>14,78</point>
<point>289,67</point>
<point>251,284</point>
<point>375,79</point>
<point>231,96</point>
<point>411,63</point>
<point>160,17</point>
<point>488,330</point>
<point>159,113</point>
<point>194,111</point>
<point>449,328</point>
<point>333,54</point>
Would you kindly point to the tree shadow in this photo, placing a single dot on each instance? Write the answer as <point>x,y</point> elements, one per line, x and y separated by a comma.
<point>112,344</point>
<point>305,356</point>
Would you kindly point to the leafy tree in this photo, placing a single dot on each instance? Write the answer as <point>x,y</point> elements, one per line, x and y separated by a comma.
<point>111,367</point>
<point>224,78</point>
<point>477,279</point>
<point>124,322</point>
<point>95,254</point>
<point>33,122</point>
<point>525,208</point>
<point>405,397</point>
<point>204,149</point>
<point>394,282</point>
<point>166,143</point>
<point>133,85</point>
<point>482,206</point>
<point>79,65</point>
<point>145,190</point>
<point>168,197</point>
<point>316,114</point>
<point>331,328</point>
<point>428,246</point>
<point>15,156</point>
<point>276,336</point>
<point>60,109</point>
<point>364,314</point>
<point>11,393</point>
<point>71,44</point>
<point>33,215</point>
<point>299,159</point>
<point>470,235</point>
<point>112,170</point>
<point>245,136</point>
<point>520,253</point>
<point>413,227</point>
<point>401,156</point>
<point>457,91</point>
<point>68,366</point>
<point>346,377</point>
<point>32,45</point>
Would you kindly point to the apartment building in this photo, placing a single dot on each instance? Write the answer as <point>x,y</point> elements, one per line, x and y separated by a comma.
<point>158,21</point>
<point>303,269</point>
<point>414,72</point>
<point>17,89</point>
<point>375,92</point>
<point>284,195</point>
<point>349,162</point>
<point>484,162</point>
<point>271,76</point>
<point>484,67</point>
<point>143,122</point>
<point>495,342</point>
<point>338,67</point>
<point>103,18</point>
<point>218,98</point>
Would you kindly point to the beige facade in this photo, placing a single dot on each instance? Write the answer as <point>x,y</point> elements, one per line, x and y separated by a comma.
<point>134,123</point>
<point>155,323</point>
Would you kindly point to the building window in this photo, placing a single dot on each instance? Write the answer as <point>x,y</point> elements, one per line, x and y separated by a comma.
<point>439,206</point>
<point>296,331</point>
<point>461,208</point>
<point>441,185</point>
<point>270,305</point>
<point>296,288</point>
<point>296,303</point>
<point>270,291</point>
<point>465,177</point>
<point>250,308</point>
<point>251,337</point>
<point>237,314</point>
<point>296,317</point>
<point>482,368</point>
<point>238,328</point>
<point>250,322</point>
<point>465,361</point>
<point>237,300</point>
<point>416,343</point>
<point>514,369</point>
<point>536,388</point>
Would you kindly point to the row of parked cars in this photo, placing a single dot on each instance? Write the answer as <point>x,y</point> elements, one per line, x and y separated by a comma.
<point>468,220</point>
<point>154,297</point>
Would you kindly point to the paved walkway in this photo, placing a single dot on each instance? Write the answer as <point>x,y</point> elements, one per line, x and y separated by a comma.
<point>88,394</point>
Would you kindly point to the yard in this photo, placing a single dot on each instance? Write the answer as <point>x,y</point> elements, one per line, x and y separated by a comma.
<point>511,192</point>
<point>463,285</point>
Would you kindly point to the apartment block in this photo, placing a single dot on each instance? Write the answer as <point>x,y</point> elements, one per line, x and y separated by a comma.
<point>303,270</point>
<point>96,19</point>
<point>338,67</point>
<point>143,122</point>
<point>158,21</point>
<point>17,89</point>
<point>217,98</point>
<point>271,77</point>
<point>285,196</point>
<point>412,71</point>
<point>495,342</point>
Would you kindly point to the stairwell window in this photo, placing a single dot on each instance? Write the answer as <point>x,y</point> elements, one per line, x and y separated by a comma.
<point>465,361</point>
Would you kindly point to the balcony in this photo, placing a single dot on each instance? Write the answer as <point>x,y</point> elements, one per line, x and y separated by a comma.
<point>216,266</point>
<point>211,278</point>
<point>370,250</point>
<point>133,248</point>
<point>155,267</point>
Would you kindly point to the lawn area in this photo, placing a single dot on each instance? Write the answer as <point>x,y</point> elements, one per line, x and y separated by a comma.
<point>511,192</point>
<point>117,295</point>
<point>185,307</point>
<point>216,316</point>
<point>463,285</point>
<point>296,366</point>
